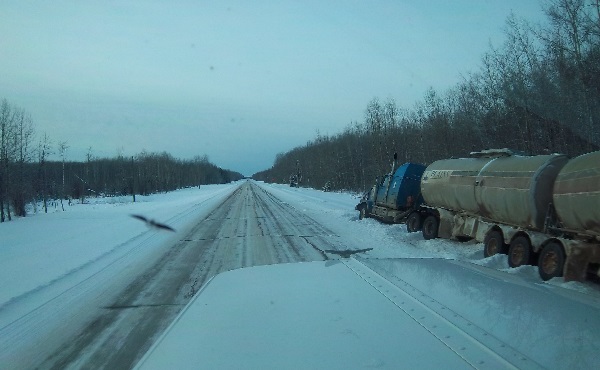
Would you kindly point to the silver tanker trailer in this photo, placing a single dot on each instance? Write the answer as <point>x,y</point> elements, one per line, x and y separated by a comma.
<point>542,210</point>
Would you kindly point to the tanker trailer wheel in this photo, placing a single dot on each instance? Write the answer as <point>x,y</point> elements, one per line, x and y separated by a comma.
<point>551,261</point>
<point>413,222</point>
<point>493,244</point>
<point>430,227</point>
<point>520,252</point>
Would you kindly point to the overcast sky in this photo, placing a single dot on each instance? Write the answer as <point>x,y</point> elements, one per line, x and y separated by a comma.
<point>239,81</point>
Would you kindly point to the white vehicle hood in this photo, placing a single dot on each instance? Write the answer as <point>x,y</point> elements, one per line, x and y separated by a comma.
<point>333,315</point>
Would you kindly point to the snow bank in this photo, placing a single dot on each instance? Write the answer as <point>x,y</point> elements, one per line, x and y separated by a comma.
<point>40,249</point>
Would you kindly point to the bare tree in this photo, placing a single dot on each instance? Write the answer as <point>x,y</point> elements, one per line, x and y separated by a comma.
<point>44,150</point>
<point>573,44</point>
<point>62,151</point>
<point>24,154</point>
<point>6,133</point>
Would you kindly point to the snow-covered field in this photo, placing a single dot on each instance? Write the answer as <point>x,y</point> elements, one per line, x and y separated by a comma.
<point>45,249</point>
<point>43,255</point>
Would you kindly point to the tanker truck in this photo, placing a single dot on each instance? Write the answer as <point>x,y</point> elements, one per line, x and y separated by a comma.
<point>541,210</point>
<point>395,196</point>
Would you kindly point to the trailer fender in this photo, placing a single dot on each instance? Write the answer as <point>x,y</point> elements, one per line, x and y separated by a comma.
<point>464,226</point>
<point>446,223</point>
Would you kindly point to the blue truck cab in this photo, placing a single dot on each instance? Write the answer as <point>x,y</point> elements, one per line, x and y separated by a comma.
<point>394,196</point>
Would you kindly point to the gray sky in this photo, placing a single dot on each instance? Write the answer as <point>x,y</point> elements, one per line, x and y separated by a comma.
<point>239,81</point>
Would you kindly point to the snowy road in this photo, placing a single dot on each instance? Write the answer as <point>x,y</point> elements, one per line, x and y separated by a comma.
<point>92,287</point>
<point>110,321</point>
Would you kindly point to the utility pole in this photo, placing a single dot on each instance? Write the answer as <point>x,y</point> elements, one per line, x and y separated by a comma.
<point>133,178</point>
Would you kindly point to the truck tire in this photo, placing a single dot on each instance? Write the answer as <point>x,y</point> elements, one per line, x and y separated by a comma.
<point>493,244</point>
<point>552,261</point>
<point>413,222</point>
<point>430,227</point>
<point>520,252</point>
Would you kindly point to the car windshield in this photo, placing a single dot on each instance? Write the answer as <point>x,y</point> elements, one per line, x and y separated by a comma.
<point>147,147</point>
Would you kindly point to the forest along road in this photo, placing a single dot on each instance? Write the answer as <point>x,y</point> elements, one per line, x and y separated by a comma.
<point>251,227</point>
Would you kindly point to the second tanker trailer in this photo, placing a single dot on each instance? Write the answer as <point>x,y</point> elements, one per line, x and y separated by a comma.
<point>542,210</point>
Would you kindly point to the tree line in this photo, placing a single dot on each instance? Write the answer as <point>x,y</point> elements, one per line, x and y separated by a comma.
<point>537,93</point>
<point>28,176</point>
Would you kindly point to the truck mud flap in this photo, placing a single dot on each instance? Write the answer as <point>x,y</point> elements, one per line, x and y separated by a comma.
<point>578,261</point>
